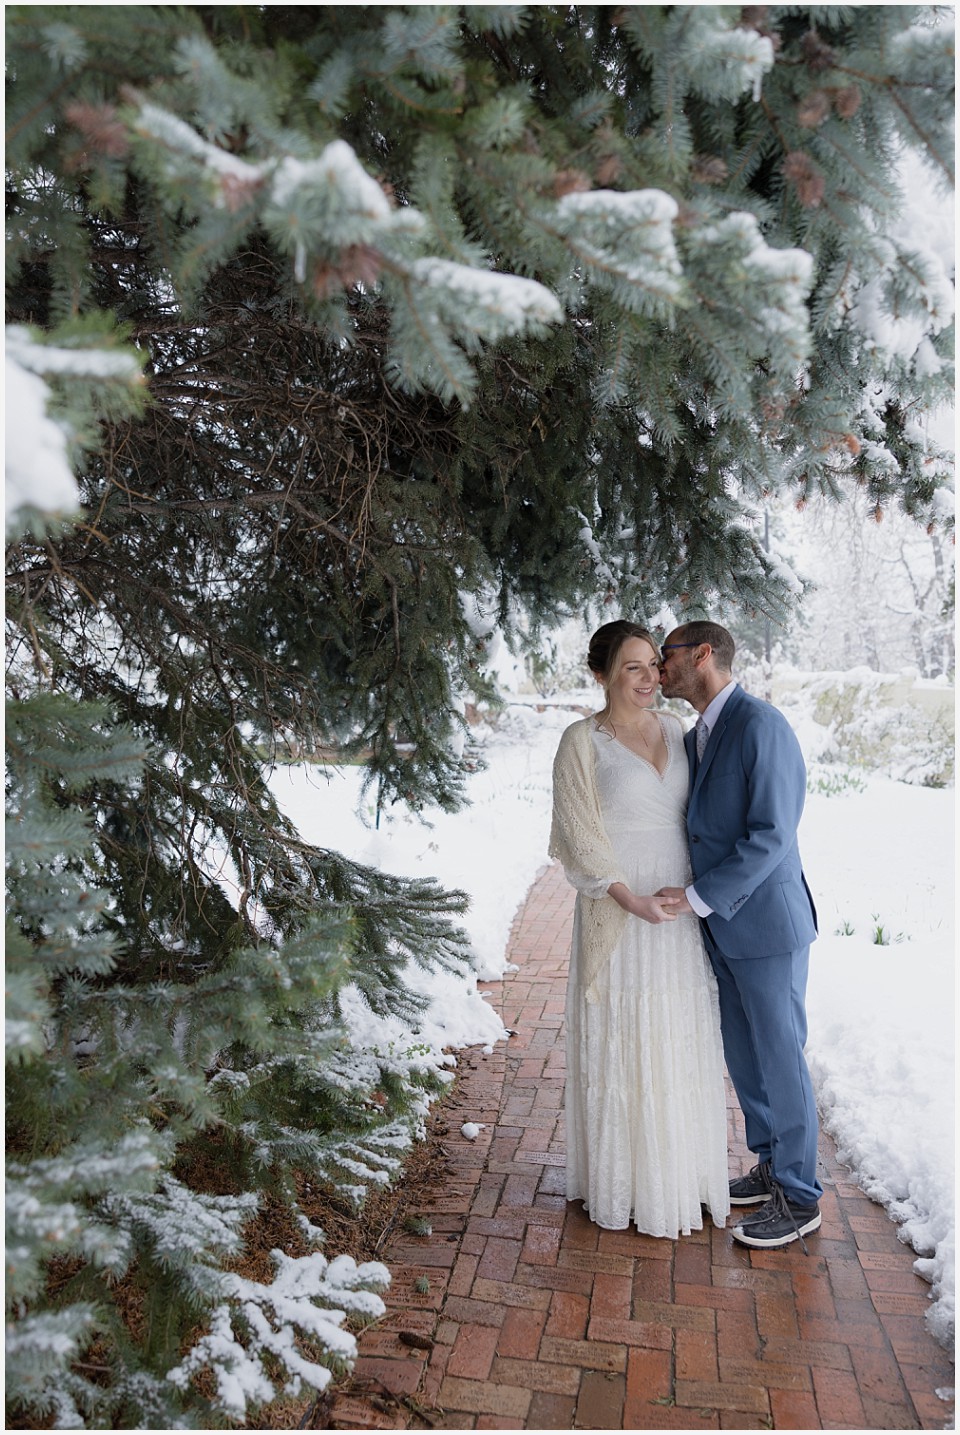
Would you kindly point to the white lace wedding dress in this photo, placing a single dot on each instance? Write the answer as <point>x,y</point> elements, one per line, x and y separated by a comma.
<point>645,1104</point>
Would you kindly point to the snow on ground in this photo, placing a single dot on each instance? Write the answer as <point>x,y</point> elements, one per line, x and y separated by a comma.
<point>881,995</point>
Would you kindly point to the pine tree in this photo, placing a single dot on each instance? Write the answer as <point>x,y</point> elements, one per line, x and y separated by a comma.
<point>437,309</point>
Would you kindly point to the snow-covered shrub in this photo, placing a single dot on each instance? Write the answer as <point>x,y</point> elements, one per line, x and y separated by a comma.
<point>294,1326</point>
<point>865,721</point>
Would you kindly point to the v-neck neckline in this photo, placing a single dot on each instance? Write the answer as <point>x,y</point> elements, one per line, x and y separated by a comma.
<point>645,760</point>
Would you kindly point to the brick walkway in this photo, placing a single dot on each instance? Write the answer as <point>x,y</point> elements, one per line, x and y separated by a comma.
<point>516,1313</point>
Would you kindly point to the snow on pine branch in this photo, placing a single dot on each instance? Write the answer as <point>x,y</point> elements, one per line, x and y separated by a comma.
<point>625,243</point>
<point>48,1211</point>
<point>186,1230</point>
<point>38,469</point>
<point>912,298</point>
<point>601,567</point>
<point>339,181</point>
<point>330,210</point>
<point>182,143</point>
<point>721,60</point>
<point>260,1325</point>
<point>767,287</point>
<point>479,303</point>
<point>81,363</point>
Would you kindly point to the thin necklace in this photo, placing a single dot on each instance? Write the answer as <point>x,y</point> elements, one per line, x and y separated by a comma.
<point>638,730</point>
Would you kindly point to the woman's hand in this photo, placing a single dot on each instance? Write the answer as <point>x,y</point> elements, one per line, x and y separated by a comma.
<point>648,909</point>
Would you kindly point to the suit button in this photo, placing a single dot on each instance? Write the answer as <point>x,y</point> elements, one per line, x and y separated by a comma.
<point>694,839</point>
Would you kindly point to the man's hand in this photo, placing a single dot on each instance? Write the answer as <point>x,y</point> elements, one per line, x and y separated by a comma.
<point>677,898</point>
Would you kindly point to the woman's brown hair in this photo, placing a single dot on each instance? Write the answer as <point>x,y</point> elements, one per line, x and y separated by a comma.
<point>603,654</point>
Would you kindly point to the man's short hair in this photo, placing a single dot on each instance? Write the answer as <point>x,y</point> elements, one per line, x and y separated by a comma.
<point>703,631</point>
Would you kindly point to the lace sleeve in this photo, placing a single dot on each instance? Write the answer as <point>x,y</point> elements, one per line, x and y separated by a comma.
<point>595,887</point>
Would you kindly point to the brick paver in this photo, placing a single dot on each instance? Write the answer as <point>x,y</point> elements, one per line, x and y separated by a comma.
<point>518,1313</point>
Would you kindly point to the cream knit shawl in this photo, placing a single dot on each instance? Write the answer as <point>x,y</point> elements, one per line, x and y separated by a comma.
<point>579,840</point>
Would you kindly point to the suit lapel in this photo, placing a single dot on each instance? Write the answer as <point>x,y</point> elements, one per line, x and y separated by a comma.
<point>690,743</point>
<point>698,773</point>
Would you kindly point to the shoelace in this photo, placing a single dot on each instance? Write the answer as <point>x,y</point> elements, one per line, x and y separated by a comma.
<point>779,1205</point>
<point>762,1169</point>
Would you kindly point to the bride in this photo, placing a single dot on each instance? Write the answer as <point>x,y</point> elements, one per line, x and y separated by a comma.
<point>645,1104</point>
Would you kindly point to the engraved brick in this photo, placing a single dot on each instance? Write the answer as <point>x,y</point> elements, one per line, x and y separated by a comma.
<point>884,1415</point>
<point>808,1352</point>
<point>885,1260</point>
<point>717,1395</point>
<point>597,1261</point>
<point>510,1226</point>
<point>484,1398</point>
<point>767,1373</point>
<point>900,1282</point>
<point>892,1303</point>
<point>403,1292</point>
<point>506,1293</point>
<point>735,1278</point>
<point>719,1297</point>
<point>554,1278</point>
<point>587,1354</point>
<point>470,1311</point>
<point>537,1375</point>
<point>397,1377</point>
<point>638,1247</point>
<point>351,1412</point>
<point>650,1334</point>
<point>689,1317</point>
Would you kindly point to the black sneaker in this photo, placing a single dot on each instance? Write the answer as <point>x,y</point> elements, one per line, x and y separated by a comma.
<point>777,1223</point>
<point>753,1189</point>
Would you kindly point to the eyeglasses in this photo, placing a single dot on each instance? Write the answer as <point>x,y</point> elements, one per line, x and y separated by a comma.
<point>669,649</point>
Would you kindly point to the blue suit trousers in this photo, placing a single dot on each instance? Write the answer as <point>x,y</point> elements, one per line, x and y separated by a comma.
<point>766,995</point>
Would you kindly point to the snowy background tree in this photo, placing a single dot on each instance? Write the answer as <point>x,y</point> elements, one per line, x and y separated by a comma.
<point>448,320</point>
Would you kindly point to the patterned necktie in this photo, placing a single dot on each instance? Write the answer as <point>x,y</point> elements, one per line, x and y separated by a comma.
<point>703,732</point>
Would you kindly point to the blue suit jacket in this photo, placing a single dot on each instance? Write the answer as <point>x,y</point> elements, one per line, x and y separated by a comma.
<point>746,798</point>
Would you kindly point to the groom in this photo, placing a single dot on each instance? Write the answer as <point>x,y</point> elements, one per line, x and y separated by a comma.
<point>747,785</point>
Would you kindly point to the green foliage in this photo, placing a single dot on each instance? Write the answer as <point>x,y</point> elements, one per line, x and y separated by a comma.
<point>882,935</point>
<point>115,1081</point>
<point>834,782</point>
<point>343,318</point>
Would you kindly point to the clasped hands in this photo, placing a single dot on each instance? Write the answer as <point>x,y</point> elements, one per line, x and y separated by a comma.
<point>664,906</point>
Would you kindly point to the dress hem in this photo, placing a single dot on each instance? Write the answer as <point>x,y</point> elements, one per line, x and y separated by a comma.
<point>632,1224</point>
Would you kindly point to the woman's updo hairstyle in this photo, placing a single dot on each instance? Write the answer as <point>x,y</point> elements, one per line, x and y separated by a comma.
<point>603,654</point>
